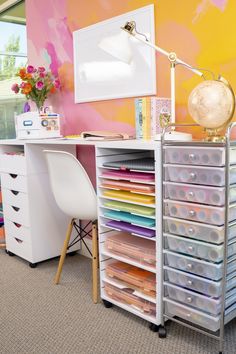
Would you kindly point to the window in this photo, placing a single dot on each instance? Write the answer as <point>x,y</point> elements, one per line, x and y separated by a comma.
<point>13,54</point>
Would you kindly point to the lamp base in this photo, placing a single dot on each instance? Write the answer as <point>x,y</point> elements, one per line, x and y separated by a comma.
<point>175,136</point>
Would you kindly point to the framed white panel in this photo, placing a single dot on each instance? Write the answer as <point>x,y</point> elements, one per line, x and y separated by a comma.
<point>99,76</point>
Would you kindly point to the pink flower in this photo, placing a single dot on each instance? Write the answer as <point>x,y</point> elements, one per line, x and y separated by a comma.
<point>39,85</point>
<point>30,69</point>
<point>41,69</point>
<point>15,88</point>
<point>57,83</point>
<point>41,75</point>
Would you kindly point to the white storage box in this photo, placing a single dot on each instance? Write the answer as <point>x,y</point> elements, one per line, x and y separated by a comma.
<point>32,125</point>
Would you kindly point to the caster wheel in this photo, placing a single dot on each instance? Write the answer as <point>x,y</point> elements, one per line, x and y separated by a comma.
<point>153,327</point>
<point>10,253</point>
<point>73,253</point>
<point>33,265</point>
<point>220,352</point>
<point>107,304</point>
<point>162,332</point>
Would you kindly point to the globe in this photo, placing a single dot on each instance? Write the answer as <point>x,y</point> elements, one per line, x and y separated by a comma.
<point>211,103</point>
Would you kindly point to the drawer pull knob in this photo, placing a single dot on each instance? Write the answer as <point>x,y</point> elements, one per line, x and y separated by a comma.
<point>191,231</point>
<point>14,192</point>
<point>13,175</point>
<point>191,157</point>
<point>189,266</point>
<point>188,315</point>
<point>190,248</point>
<point>192,175</point>
<point>191,194</point>
<point>190,282</point>
<point>15,208</point>
<point>189,299</point>
<point>192,212</point>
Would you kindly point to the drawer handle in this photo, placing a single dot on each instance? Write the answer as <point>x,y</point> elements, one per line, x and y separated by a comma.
<point>192,175</point>
<point>191,231</point>
<point>189,282</point>
<point>189,299</point>
<point>188,315</point>
<point>15,208</point>
<point>17,225</point>
<point>14,192</point>
<point>191,194</point>
<point>13,175</point>
<point>189,266</point>
<point>192,213</point>
<point>18,240</point>
<point>190,248</point>
<point>191,157</point>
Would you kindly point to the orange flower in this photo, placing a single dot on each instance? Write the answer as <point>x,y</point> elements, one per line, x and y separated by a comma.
<point>53,89</point>
<point>22,73</point>
<point>28,76</point>
<point>27,88</point>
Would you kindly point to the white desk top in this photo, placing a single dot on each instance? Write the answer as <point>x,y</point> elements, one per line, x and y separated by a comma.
<point>133,143</point>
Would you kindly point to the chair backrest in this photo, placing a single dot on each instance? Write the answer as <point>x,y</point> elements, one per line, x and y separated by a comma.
<point>71,186</point>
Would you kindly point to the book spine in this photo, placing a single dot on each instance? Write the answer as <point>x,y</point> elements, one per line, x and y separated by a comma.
<point>153,117</point>
<point>138,118</point>
<point>147,125</point>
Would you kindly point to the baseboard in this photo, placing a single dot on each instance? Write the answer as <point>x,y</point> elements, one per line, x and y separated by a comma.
<point>84,250</point>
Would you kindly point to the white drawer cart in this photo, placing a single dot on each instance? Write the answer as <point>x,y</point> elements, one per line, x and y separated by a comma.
<point>199,235</point>
<point>112,288</point>
<point>34,226</point>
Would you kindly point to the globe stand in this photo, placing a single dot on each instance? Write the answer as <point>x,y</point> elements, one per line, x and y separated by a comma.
<point>213,136</point>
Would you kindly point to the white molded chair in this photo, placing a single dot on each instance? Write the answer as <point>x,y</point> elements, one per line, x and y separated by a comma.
<point>76,197</point>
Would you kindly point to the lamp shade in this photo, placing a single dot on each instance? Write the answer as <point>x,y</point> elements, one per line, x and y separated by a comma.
<point>118,46</point>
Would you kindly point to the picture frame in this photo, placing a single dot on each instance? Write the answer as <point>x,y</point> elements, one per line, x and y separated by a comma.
<point>98,76</point>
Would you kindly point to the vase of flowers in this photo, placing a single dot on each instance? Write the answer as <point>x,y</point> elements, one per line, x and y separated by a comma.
<point>37,84</point>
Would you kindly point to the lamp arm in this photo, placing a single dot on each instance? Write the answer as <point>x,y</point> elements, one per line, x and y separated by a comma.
<point>170,55</point>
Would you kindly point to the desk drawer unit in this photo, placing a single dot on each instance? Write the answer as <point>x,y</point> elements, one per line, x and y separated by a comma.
<point>199,184</point>
<point>14,182</point>
<point>13,163</point>
<point>19,247</point>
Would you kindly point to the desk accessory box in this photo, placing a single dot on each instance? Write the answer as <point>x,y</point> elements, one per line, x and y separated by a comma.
<point>34,125</point>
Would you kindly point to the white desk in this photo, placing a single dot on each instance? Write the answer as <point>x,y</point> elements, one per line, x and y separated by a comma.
<point>42,225</point>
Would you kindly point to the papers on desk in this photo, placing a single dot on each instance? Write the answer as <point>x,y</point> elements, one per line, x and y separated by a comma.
<point>99,135</point>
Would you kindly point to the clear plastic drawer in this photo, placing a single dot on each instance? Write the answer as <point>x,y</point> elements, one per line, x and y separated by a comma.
<point>209,156</point>
<point>199,194</point>
<point>213,176</point>
<point>208,233</point>
<point>193,282</point>
<point>207,251</point>
<point>195,266</point>
<point>189,314</point>
<point>199,212</point>
<point>203,303</point>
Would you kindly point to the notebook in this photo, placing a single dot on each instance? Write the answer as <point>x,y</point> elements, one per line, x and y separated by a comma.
<point>145,164</point>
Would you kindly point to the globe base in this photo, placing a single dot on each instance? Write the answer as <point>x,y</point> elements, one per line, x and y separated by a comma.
<point>214,136</point>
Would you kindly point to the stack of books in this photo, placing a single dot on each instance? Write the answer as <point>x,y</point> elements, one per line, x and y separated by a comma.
<point>150,115</point>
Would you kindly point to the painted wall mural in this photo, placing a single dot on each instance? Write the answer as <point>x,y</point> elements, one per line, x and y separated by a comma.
<point>201,32</point>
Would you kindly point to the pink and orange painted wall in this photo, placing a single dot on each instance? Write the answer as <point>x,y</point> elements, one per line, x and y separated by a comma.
<point>201,32</point>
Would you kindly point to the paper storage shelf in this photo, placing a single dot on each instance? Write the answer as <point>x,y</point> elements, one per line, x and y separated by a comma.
<point>135,277</point>
<point>132,247</point>
<point>207,233</point>
<point>133,229</point>
<point>189,314</point>
<point>199,194</point>
<point>128,217</point>
<point>198,212</point>
<point>128,186</point>
<point>193,299</point>
<point>211,156</point>
<point>213,253</point>
<point>129,175</point>
<point>130,197</point>
<point>129,207</point>
<point>195,266</point>
<point>212,176</point>
<point>128,297</point>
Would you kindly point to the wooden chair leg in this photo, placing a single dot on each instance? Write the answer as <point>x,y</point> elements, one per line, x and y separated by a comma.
<point>63,252</point>
<point>95,261</point>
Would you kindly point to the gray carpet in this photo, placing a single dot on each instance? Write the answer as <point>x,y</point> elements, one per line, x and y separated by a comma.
<point>37,317</point>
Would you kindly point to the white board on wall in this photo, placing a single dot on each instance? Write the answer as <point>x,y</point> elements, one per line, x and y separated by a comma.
<point>99,76</point>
